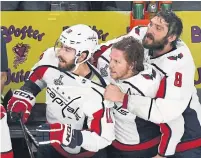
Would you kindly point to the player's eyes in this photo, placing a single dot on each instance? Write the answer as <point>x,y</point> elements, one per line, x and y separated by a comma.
<point>116,61</point>
<point>158,28</point>
<point>67,49</point>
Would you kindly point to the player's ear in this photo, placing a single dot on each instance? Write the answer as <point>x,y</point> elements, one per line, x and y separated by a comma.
<point>131,67</point>
<point>172,38</point>
<point>82,57</point>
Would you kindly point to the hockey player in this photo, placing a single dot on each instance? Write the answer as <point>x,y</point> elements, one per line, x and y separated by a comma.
<point>135,137</point>
<point>176,107</point>
<point>70,103</point>
<point>5,146</point>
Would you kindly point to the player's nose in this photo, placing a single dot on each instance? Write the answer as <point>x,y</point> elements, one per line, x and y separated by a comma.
<point>59,52</point>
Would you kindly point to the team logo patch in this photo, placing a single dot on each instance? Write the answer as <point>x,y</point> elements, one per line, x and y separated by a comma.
<point>179,56</point>
<point>150,76</point>
<point>92,37</point>
<point>137,30</point>
<point>59,80</point>
<point>21,51</point>
<point>99,52</point>
<point>103,71</point>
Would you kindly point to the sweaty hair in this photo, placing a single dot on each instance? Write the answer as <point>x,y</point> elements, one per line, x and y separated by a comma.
<point>133,52</point>
<point>175,26</point>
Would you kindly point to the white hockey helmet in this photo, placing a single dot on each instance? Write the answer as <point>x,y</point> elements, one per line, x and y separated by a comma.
<point>81,38</point>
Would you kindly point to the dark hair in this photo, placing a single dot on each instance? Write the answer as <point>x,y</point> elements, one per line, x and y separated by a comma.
<point>175,26</point>
<point>134,52</point>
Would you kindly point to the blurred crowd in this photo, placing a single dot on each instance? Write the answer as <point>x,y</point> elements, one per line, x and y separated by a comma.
<point>64,5</point>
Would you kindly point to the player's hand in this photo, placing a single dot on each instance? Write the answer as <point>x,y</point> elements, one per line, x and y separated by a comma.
<point>21,103</point>
<point>113,93</point>
<point>57,133</point>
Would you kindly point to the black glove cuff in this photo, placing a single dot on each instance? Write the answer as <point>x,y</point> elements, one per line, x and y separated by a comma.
<point>78,136</point>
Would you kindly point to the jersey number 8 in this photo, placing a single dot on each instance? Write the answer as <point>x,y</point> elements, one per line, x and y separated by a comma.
<point>178,79</point>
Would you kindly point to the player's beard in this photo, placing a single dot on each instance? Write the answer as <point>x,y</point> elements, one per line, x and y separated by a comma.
<point>119,75</point>
<point>156,44</point>
<point>68,67</point>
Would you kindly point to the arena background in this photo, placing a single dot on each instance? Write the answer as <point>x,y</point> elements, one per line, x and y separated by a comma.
<point>25,49</point>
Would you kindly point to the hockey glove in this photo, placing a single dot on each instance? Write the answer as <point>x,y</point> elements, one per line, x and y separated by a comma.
<point>59,134</point>
<point>21,103</point>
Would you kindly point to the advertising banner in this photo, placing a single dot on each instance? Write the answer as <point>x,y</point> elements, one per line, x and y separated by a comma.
<point>28,34</point>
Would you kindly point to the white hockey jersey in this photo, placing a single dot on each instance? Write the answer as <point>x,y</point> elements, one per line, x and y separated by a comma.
<point>5,146</point>
<point>132,132</point>
<point>71,99</point>
<point>176,107</point>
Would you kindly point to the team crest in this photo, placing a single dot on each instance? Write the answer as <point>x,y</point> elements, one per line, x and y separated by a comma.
<point>99,52</point>
<point>179,56</point>
<point>59,80</point>
<point>150,76</point>
<point>103,71</point>
<point>137,30</point>
<point>21,51</point>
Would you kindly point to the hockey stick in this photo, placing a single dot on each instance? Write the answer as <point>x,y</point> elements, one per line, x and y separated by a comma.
<point>33,140</point>
<point>26,138</point>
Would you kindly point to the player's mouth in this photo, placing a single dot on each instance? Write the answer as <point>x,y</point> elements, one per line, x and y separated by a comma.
<point>112,72</point>
<point>149,37</point>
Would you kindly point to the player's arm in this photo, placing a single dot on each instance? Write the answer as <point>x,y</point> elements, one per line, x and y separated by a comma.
<point>99,135</point>
<point>24,99</point>
<point>173,97</point>
<point>101,48</point>
<point>137,32</point>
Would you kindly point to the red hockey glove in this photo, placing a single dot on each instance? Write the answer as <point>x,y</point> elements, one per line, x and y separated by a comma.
<point>57,133</point>
<point>21,102</point>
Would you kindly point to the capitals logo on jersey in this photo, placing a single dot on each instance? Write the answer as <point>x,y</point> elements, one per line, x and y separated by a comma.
<point>137,30</point>
<point>150,76</point>
<point>99,52</point>
<point>179,56</point>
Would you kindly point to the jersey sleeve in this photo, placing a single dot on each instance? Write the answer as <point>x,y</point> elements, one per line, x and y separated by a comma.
<point>173,97</point>
<point>101,126</point>
<point>35,82</point>
<point>137,32</point>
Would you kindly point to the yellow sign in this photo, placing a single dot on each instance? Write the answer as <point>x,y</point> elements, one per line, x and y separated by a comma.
<point>192,37</point>
<point>28,34</point>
